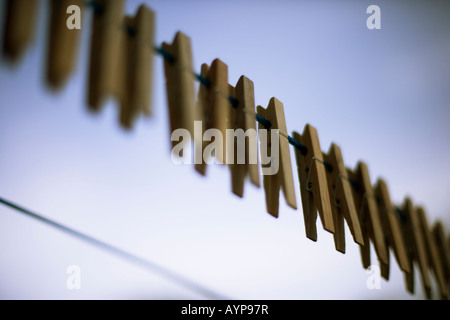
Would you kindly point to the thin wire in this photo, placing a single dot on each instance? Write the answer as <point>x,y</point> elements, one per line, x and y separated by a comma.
<point>146,264</point>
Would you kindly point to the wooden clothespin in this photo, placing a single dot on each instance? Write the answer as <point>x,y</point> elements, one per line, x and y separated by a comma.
<point>313,183</point>
<point>369,218</point>
<point>202,115</point>
<point>243,105</point>
<point>19,27</point>
<point>283,178</point>
<point>62,42</point>
<point>433,254</point>
<point>415,244</point>
<point>443,248</point>
<point>391,227</point>
<point>107,54</point>
<point>140,37</point>
<point>180,86</point>
<point>342,202</point>
<point>218,105</point>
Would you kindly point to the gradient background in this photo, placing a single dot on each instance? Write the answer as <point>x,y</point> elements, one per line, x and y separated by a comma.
<point>381,95</point>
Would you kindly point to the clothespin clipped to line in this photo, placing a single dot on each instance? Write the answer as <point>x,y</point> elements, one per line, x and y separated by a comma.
<point>180,85</point>
<point>105,65</point>
<point>416,248</point>
<point>282,179</point>
<point>391,229</point>
<point>314,190</point>
<point>433,254</point>
<point>19,27</point>
<point>139,66</point>
<point>341,196</point>
<point>63,42</point>
<point>202,115</point>
<point>443,248</point>
<point>365,202</point>
<point>244,102</point>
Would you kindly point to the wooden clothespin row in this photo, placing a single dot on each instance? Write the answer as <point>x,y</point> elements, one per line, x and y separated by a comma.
<point>443,248</point>
<point>245,162</point>
<point>415,245</point>
<point>281,175</point>
<point>314,189</point>
<point>138,66</point>
<point>63,40</point>
<point>433,254</point>
<point>19,27</point>
<point>342,202</point>
<point>107,54</point>
<point>369,218</point>
<point>391,227</point>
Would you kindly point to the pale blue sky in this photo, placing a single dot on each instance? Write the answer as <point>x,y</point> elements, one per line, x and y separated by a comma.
<point>381,95</point>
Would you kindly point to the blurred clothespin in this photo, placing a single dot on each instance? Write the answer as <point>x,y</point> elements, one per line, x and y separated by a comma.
<point>415,245</point>
<point>342,202</point>
<point>202,116</point>
<point>245,153</point>
<point>138,66</point>
<point>313,182</point>
<point>107,54</point>
<point>365,202</point>
<point>63,40</point>
<point>443,248</point>
<point>217,105</point>
<point>180,85</point>
<point>19,27</point>
<point>433,254</point>
<point>391,227</point>
<point>277,174</point>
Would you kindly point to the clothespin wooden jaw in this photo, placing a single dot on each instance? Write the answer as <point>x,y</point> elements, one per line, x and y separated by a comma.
<point>203,116</point>
<point>138,66</point>
<point>363,218</point>
<point>283,178</point>
<point>19,27</point>
<point>342,202</point>
<point>105,76</point>
<point>243,94</point>
<point>433,254</point>
<point>390,223</point>
<point>415,247</point>
<point>443,249</point>
<point>180,85</point>
<point>138,71</point>
<point>313,183</point>
<point>218,104</point>
<point>62,43</point>
<point>365,202</point>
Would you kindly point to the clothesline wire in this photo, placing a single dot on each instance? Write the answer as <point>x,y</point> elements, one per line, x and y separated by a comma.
<point>146,264</point>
